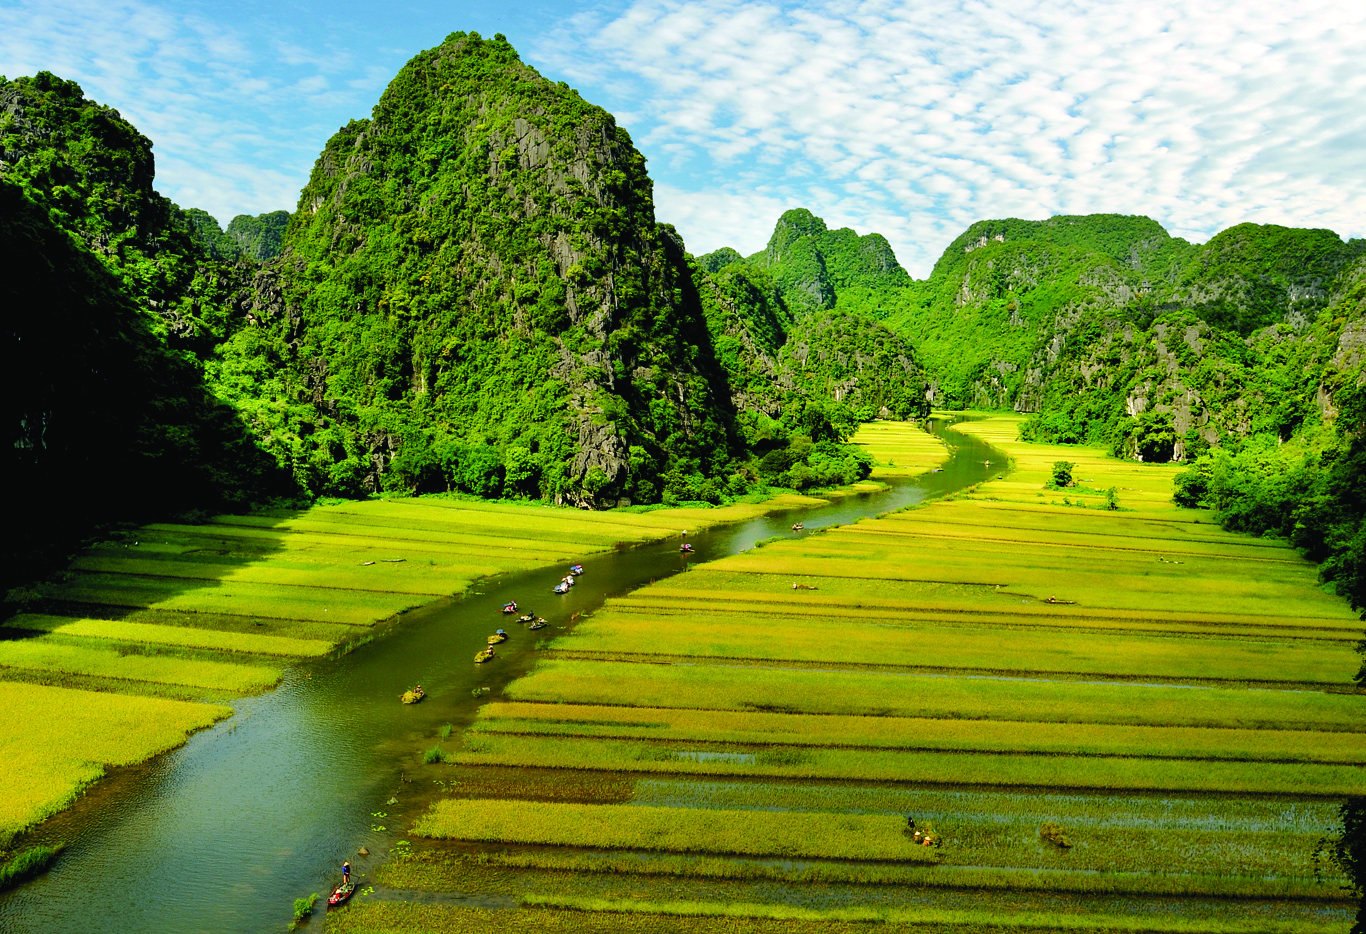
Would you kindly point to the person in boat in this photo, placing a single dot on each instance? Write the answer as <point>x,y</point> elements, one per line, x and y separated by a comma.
<point>346,873</point>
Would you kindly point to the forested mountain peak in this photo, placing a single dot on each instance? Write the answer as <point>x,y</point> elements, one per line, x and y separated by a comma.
<point>1134,241</point>
<point>1254,275</point>
<point>811,264</point>
<point>93,172</point>
<point>780,336</point>
<point>474,276</point>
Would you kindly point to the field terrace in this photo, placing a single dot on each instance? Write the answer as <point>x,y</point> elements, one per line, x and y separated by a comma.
<point>1175,698</point>
<point>151,635</point>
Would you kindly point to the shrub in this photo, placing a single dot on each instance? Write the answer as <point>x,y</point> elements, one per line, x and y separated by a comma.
<point>1062,473</point>
<point>303,907</point>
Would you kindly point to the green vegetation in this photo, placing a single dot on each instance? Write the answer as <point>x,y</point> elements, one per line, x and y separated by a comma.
<point>782,339</point>
<point>602,916</point>
<point>899,449</point>
<point>1307,492</point>
<point>303,908</point>
<point>55,740</point>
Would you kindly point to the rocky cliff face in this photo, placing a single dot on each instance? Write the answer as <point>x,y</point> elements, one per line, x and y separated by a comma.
<point>479,263</point>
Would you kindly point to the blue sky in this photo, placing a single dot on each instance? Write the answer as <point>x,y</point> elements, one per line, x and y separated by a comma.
<point>912,119</point>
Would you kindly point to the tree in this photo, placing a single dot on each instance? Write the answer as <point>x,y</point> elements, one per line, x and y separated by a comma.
<point>1062,473</point>
<point>1347,853</point>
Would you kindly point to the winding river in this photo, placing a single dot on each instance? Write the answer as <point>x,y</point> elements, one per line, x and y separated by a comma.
<point>222,834</point>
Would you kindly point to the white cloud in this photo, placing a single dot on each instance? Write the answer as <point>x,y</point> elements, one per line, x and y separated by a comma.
<point>917,118</point>
<point>236,119</point>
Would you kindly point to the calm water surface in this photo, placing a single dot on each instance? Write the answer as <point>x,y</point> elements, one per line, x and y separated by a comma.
<point>224,833</point>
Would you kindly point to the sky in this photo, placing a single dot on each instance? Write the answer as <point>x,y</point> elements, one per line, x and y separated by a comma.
<point>910,119</point>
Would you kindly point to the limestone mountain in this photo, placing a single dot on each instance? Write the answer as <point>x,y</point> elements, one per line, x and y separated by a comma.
<point>475,293</point>
<point>782,333</point>
<point>93,172</point>
<point>1115,331</point>
<point>257,238</point>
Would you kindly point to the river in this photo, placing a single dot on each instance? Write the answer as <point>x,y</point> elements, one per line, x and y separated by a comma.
<point>222,834</point>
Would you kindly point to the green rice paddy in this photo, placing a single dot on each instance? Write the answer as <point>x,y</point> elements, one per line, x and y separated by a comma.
<point>1176,697</point>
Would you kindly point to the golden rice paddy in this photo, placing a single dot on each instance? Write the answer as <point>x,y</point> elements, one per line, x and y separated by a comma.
<point>1176,698</point>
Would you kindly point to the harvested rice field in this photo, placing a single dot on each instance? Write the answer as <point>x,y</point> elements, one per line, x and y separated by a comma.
<point>146,637</point>
<point>1104,719</point>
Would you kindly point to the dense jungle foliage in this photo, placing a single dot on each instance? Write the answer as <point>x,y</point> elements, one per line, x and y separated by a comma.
<point>259,238</point>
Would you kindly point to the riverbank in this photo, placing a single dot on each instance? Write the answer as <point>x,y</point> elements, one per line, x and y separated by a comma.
<point>148,637</point>
<point>1098,708</point>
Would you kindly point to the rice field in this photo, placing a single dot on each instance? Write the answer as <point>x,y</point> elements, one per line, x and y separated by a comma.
<point>1174,701</point>
<point>899,449</point>
<point>54,740</point>
<point>630,915</point>
<point>145,637</point>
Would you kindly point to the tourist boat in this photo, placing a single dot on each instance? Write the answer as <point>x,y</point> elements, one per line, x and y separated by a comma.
<point>510,607</point>
<point>562,587</point>
<point>686,549</point>
<point>484,656</point>
<point>497,637</point>
<point>525,618</point>
<point>539,624</point>
<point>341,893</point>
<point>412,696</point>
<point>576,569</point>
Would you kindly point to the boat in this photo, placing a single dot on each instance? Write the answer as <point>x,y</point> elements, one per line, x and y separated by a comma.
<point>798,527</point>
<point>525,618</point>
<point>576,569</point>
<point>484,656</point>
<point>539,624</point>
<point>510,607</point>
<point>562,587</point>
<point>568,580</point>
<point>340,894</point>
<point>685,549</point>
<point>413,696</point>
<point>498,637</point>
